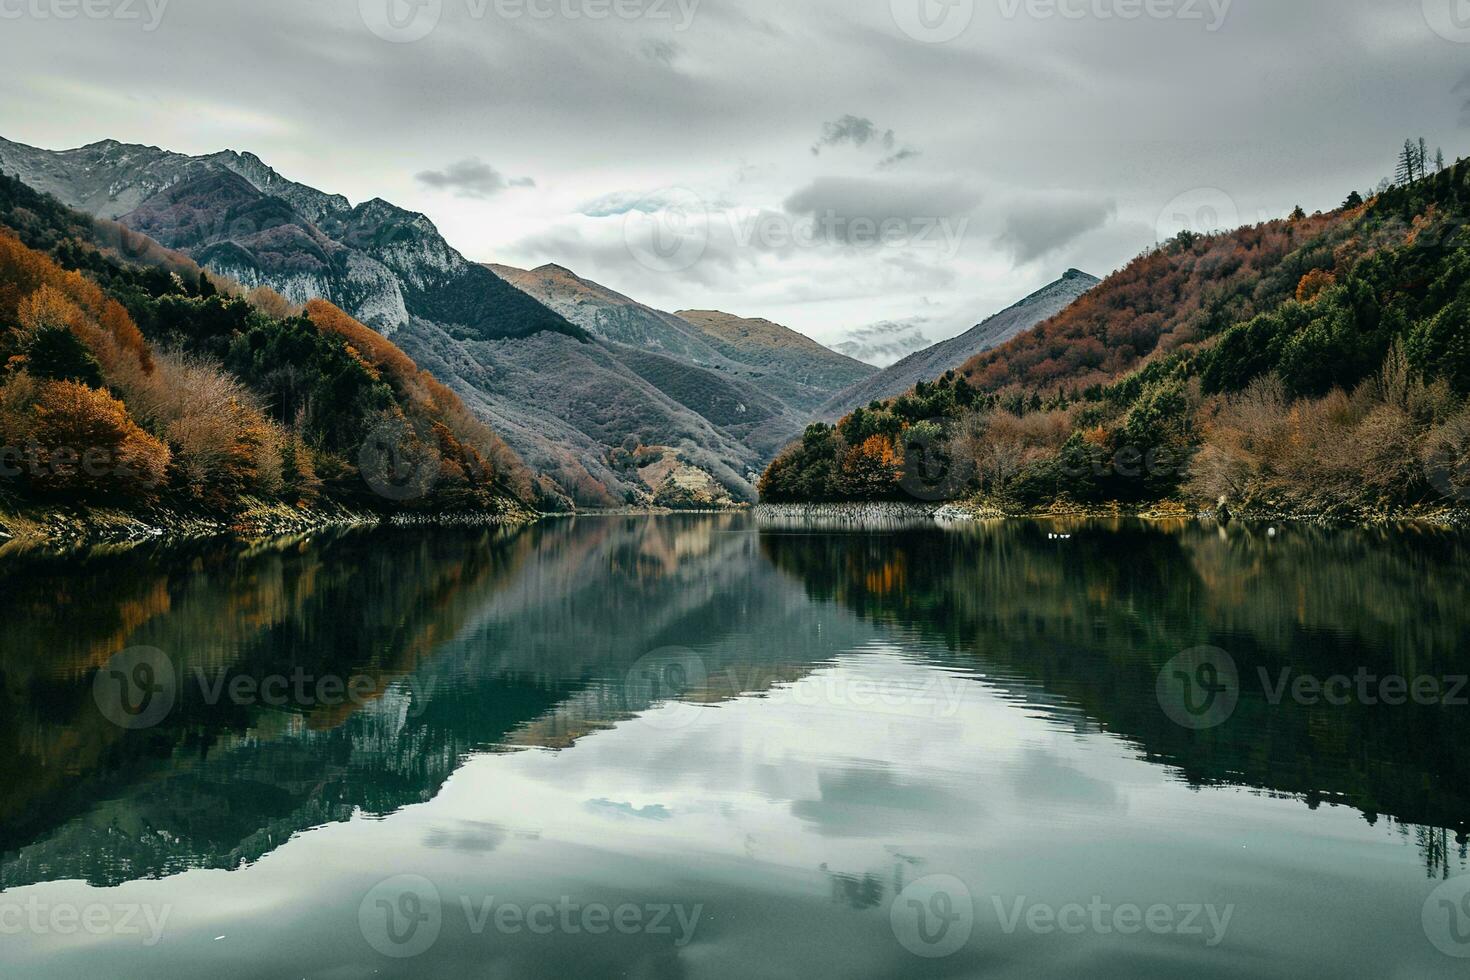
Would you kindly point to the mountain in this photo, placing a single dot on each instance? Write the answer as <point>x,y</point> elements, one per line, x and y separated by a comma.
<point>607,314</point>
<point>236,216</point>
<point>799,367</point>
<point>778,361</point>
<point>577,403</point>
<point>928,364</point>
<point>1313,366</point>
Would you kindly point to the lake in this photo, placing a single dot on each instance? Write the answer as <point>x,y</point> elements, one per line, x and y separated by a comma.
<point>706,747</point>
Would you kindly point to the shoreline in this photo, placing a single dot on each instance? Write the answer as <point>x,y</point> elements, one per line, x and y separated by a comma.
<point>62,529</point>
<point>57,529</point>
<point>855,515</point>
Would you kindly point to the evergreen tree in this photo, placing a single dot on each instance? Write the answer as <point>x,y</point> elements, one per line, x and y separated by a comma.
<point>1408,168</point>
<point>55,354</point>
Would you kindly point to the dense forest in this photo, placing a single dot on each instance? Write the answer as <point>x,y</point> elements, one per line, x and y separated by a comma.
<point>131,377</point>
<point>1315,364</point>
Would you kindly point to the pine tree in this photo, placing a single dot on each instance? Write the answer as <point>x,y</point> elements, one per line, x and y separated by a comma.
<point>1423,158</point>
<point>1408,164</point>
<point>1439,161</point>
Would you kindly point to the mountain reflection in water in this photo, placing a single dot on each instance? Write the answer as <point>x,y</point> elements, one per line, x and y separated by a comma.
<point>849,712</point>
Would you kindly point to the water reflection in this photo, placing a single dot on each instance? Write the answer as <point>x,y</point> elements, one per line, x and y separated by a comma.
<point>1092,617</point>
<point>783,729</point>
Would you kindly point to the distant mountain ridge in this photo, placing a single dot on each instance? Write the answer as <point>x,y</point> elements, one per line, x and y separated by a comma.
<point>777,350</point>
<point>787,365</point>
<point>930,363</point>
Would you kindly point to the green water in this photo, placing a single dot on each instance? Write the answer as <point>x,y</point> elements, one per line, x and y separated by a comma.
<point>699,747</point>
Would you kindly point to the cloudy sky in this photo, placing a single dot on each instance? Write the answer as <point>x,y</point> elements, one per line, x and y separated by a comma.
<point>829,164</point>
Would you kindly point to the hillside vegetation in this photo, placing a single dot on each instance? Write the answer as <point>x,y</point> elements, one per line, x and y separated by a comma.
<point>130,377</point>
<point>1314,364</point>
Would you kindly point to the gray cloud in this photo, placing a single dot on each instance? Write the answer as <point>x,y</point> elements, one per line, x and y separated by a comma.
<point>627,202</point>
<point>848,201</point>
<point>861,133</point>
<point>855,131</point>
<point>907,153</point>
<point>1038,227</point>
<point>1102,110</point>
<point>471,178</point>
<point>885,342</point>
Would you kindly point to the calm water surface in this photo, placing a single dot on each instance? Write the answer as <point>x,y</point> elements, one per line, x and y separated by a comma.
<point>699,747</point>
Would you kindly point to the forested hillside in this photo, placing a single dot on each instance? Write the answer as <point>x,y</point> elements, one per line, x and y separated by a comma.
<point>1317,363</point>
<point>128,376</point>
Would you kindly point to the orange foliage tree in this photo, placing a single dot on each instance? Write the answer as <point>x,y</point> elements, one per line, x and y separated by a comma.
<point>870,470</point>
<point>84,442</point>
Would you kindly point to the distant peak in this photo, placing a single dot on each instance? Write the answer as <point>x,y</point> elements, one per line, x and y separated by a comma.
<point>1078,274</point>
<point>552,268</point>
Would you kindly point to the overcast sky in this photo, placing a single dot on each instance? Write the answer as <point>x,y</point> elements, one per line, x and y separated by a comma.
<point>829,164</point>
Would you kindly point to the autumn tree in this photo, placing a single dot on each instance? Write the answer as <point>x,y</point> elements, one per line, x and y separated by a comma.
<point>1312,284</point>
<point>86,444</point>
<point>870,470</point>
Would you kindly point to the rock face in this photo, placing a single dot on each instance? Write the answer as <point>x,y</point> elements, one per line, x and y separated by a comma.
<point>569,372</point>
<point>929,364</point>
<point>232,213</point>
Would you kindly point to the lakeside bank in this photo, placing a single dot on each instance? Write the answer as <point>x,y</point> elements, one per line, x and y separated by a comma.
<point>69,528</point>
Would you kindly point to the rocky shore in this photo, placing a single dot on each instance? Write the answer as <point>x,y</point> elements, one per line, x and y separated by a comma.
<point>841,517</point>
